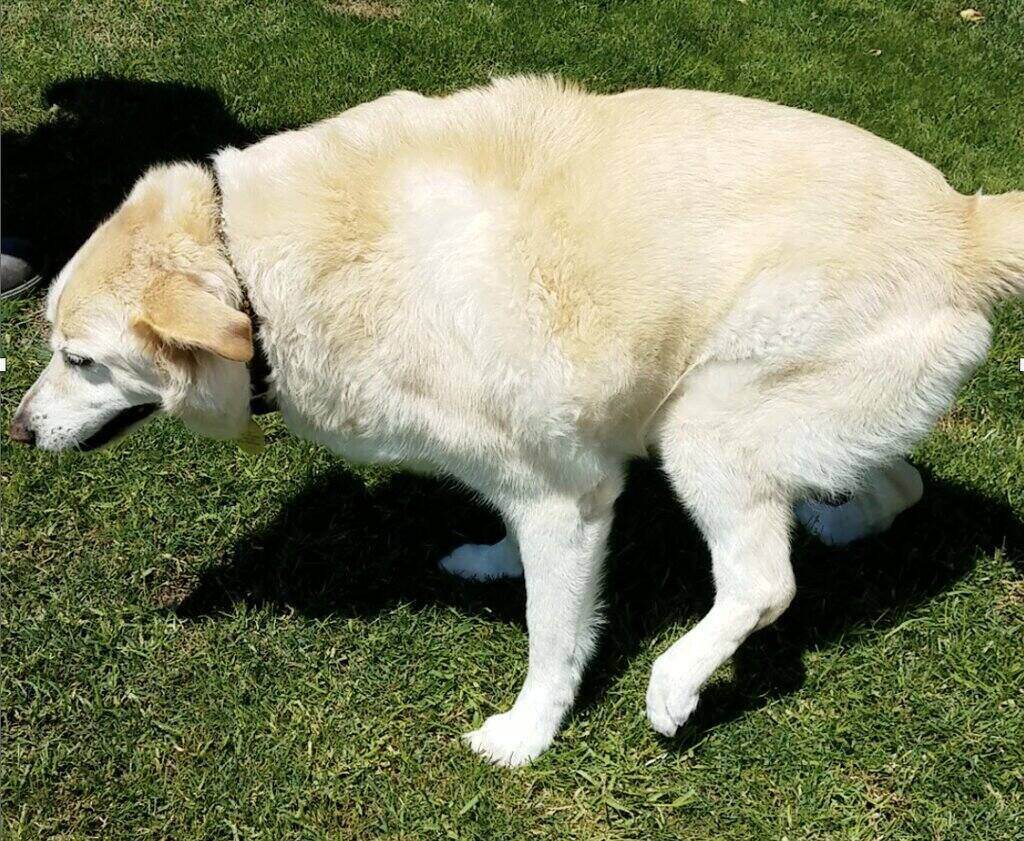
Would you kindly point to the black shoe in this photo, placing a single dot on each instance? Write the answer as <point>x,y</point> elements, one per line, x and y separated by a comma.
<point>21,269</point>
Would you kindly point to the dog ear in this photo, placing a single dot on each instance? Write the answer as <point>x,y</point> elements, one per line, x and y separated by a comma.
<point>179,312</point>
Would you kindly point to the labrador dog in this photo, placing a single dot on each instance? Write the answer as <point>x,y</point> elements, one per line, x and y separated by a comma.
<point>524,286</point>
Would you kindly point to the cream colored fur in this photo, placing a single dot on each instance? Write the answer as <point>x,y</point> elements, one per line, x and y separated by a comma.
<point>524,286</point>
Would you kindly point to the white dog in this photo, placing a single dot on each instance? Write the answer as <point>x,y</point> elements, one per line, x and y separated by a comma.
<point>524,286</point>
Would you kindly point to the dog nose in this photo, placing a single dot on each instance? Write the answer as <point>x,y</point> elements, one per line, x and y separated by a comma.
<point>21,431</point>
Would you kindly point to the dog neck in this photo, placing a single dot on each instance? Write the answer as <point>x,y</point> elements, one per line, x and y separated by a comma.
<point>261,401</point>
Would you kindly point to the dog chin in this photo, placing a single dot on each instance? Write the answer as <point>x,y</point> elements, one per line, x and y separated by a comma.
<point>116,427</point>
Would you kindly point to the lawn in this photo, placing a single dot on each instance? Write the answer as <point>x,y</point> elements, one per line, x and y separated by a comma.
<point>197,643</point>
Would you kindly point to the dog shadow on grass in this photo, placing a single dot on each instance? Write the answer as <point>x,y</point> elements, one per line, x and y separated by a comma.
<point>62,178</point>
<point>342,549</point>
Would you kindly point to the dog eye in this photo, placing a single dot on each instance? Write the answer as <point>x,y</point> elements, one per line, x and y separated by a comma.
<point>76,361</point>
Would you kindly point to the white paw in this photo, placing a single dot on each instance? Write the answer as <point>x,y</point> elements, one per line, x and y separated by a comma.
<point>478,562</point>
<point>839,525</point>
<point>671,700</point>
<point>887,493</point>
<point>509,740</point>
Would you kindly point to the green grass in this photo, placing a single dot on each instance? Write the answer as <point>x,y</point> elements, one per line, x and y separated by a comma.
<point>199,644</point>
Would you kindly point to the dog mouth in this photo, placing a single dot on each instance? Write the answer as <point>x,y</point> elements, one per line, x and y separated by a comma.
<point>118,425</point>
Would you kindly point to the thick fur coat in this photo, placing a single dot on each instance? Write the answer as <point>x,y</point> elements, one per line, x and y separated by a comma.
<point>525,285</point>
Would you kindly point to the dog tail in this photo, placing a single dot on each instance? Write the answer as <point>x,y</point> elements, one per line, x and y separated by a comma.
<point>997,227</point>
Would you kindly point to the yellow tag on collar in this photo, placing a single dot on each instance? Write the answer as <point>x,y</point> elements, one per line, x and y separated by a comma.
<point>252,441</point>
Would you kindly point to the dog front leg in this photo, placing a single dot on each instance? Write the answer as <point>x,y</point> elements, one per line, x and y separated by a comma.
<point>482,562</point>
<point>562,542</point>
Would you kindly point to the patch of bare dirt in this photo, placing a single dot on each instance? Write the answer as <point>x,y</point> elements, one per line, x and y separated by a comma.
<point>366,9</point>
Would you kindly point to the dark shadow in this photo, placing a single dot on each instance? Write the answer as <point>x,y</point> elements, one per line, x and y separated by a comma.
<point>341,549</point>
<point>68,174</point>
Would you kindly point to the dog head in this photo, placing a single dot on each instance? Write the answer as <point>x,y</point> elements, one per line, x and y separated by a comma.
<point>144,319</point>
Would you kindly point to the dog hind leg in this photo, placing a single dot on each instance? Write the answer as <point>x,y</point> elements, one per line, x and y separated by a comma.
<point>886,493</point>
<point>745,518</point>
